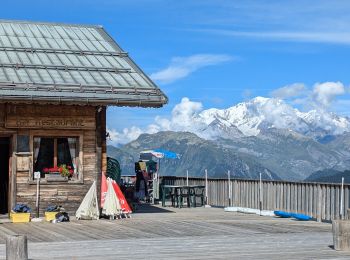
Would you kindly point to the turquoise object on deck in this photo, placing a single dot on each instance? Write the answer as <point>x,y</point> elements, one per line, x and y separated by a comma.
<point>282,214</point>
<point>301,217</point>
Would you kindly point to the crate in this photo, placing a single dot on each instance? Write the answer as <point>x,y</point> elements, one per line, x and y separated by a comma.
<point>50,215</point>
<point>19,217</point>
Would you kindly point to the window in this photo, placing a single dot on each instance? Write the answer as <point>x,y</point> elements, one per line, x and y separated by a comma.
<point>53,152</point>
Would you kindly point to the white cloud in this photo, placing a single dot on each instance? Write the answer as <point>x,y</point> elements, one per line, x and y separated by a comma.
<point>325,93</point>
<point>181,67</point>
<point>182,119</point>
<point>289,91</point>
<point>190,116</point>
<point>297,36</point>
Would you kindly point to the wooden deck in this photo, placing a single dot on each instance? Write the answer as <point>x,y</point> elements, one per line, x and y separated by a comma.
<point>200,233</point>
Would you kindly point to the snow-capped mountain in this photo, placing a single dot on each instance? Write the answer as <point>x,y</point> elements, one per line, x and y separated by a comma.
<point>252,117</point>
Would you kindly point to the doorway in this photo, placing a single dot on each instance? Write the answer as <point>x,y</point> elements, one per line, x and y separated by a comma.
<point>4,174</point>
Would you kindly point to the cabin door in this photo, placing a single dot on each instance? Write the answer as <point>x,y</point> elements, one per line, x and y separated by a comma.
<point>4,174</point>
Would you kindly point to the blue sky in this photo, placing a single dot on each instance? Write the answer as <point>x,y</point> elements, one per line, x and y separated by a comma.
<point>218,53</point>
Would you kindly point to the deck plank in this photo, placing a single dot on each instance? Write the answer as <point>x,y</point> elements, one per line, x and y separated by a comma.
<point>199,233</point>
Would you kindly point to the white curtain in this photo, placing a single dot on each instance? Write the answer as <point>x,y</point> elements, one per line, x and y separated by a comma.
<point>37,141</point>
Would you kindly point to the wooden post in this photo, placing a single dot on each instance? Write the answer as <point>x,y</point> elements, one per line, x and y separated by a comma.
<point>206,189</point>
<point>342,199</point>
<point>319,203</point>
<point>341,234</point>
<point>260,193</point>
<point>229,188</point>
<point>16,247</point>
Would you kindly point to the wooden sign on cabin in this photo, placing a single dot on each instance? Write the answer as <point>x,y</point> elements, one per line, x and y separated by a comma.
<point>49,117</point>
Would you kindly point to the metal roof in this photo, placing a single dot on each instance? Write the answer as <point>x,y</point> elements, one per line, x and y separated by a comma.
<point>71,64</point>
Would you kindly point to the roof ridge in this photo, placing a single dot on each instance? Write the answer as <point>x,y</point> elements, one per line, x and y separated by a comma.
<point>51,23</point>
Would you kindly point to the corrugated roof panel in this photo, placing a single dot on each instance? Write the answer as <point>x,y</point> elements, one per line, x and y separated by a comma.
<point>17,30</point>
<point>140,80</point>
<point>24,42</point>
<point>54,59</point>
<point>34,29</point>
<point>89,35</point>
<point>4,58</point>
<point>102,60</point>
<point>56,77</point>
<point>35,76</point>
<point>99,46</point>
<point>81,46</point>
<point>11,74</point>
<point>70,33</point>
<point>88,78</point>
<point>2,30</point>
<point>89,45</point>
<point>44,58</point>
<point>14,42</point>
<point>67,77</point>
<point>107,46</point>
<point>3,77</point>
<point>78,77</point>
<point>23,57</point>
<point>94,61</point>
<point>23,75</point>
<point>98,78</point>
<point>53,33</point>
<point>79,33</point>
<point>66,56</point>
<point>5,42</point>
<point>35,58</point>
<point>84,61</point>
<point>43,43</point>
<point>71,44</point>
<point>121,80</point>
<point>46,77</point>
<point>13,57</point>
<point>60,30</point>
<point>26,30</point>
<point>111,81</point>
<point>34,43</point>
<point>61,43</point>
<point>8,30</point>
<point>53,43</point>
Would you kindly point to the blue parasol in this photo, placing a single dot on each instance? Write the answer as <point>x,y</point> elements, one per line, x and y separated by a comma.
<point>167,154</point>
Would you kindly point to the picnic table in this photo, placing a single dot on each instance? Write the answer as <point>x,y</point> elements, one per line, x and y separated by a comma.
<point>177,194</point>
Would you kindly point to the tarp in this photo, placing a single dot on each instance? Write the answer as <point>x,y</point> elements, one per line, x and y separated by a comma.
<point>111,205</point>
<point>103,189</point>
<point>88,208</point>
<point>161,153</point>
<point>123,203</point>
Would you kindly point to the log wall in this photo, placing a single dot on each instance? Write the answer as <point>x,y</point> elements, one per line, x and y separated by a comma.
<point>54,121</point>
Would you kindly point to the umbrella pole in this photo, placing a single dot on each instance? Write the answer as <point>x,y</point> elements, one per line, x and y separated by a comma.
<point>187,178</point>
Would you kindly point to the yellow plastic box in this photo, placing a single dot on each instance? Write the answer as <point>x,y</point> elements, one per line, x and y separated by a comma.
<point>50,215</point>
<point>19,217</point>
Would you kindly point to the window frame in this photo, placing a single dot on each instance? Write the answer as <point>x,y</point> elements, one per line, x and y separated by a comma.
<point>58,134</point>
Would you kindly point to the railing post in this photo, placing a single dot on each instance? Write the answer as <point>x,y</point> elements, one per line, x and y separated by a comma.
<point>229,189</point>
<point>319,203</point>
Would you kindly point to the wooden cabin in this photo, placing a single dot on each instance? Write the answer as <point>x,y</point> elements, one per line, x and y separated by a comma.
<point>56,81</point>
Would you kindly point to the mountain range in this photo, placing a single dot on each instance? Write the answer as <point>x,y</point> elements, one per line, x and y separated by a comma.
<point>263,135</point>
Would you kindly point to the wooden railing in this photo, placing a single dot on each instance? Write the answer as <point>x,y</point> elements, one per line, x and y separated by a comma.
<point>321,201</point>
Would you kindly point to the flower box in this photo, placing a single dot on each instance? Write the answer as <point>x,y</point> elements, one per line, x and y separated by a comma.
<point>50,215</point>
<point>55,177</point>
<point>19,217</point>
